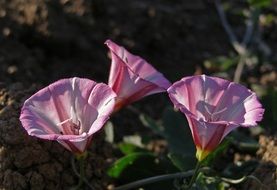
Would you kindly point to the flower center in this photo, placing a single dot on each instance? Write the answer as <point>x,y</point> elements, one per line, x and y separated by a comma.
<point>212,116</point>
<point>70,128</point>
<point>75,128</point>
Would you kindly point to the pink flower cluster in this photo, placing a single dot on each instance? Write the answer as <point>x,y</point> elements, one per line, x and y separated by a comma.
<point>71,110</point>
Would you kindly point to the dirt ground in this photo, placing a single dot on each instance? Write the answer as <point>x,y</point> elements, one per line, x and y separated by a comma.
<point>42,41</point>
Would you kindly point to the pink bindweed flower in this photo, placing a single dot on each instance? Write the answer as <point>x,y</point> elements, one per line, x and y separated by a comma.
<point>69,111</point>
<point>214,107</point>
<point>131,77</point>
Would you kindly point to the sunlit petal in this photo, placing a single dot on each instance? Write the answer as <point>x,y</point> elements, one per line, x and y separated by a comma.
<point>69,111</point>
<point>131,77</point>
<point>214,107</point>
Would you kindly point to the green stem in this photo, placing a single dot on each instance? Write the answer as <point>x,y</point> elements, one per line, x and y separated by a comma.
<point>154,179</point>
<point>196,171</point>
<point>77,173</point>
<point>82,171</point>
<point>244,178</point>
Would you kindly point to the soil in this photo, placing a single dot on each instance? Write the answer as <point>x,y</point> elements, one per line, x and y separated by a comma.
<point>266,171</point>
<point>30,163</point>
<point>42,41</point>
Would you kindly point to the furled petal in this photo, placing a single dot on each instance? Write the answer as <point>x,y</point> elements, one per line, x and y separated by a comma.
<point>69,111</point>
<point>207,135</point>
<point>214,107</point>
<point>131,77</point>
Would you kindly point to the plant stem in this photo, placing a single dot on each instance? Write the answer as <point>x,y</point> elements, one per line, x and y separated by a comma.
<point>81,175</point>
<point>232,37</point>
<point>196,171</point>
<point>239,69</point>
<point>154,179</point>
<point>240,47</point>
<point>78,175</point>
<point>82,171</point>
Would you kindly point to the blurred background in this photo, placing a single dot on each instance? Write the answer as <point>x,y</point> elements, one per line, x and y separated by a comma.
<point>42,41</point>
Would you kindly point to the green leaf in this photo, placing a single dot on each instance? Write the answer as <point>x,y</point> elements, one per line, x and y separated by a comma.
<point>217,152</point>
<point>234,170</point>
<point>177,133</point>
<point>260,3</point>
<point>127,148</point>
<point>135,166</point>
<point>152,124</point>
<point>220,63</point>
<point>243,142</point>
<point>123,163</point>
<point>209,183</point>
<point>182,162</point>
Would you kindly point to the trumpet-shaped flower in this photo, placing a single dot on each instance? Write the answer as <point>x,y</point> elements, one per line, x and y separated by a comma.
<point>131,77</point>
<point>69,111</point>
<point>214,107</point>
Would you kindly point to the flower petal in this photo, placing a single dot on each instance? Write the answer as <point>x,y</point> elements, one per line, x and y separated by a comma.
<point>242,106</point>
<point>131,77</point>
<point>214,99</point>
<point>67,110</point>
<point>214,107</point>
<point>138,65</point>
<point>207,135</point>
